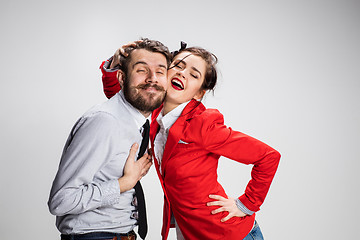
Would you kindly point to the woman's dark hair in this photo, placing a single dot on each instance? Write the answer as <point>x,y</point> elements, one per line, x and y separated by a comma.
<point>210,59</point>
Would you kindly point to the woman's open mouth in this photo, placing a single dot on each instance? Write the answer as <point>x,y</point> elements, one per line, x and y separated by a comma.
<point>177,84</point>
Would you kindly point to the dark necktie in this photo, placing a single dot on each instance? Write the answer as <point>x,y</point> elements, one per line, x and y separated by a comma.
<point>142,222</point>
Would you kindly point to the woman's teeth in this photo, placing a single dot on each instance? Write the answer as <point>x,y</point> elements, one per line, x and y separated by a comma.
<point>177,84</point>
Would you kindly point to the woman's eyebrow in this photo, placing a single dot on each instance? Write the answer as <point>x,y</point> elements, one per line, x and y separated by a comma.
<point>181,61</point>
<point>195,69</point>
<point>177,62</point>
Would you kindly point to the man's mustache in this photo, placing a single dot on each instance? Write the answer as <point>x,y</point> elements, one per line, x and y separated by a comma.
<point>147,85</point>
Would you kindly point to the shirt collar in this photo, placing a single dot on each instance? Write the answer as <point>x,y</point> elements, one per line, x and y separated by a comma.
<point>170,118</point>
<point>138,117</point>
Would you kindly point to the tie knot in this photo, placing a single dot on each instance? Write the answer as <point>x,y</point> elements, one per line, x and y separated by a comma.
<point>146,128</point>
<point>146,124</point>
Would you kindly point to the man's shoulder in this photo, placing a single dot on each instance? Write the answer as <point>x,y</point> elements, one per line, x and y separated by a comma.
<point>110,107</point>
<point>93,119</point>
<point>111,110</point>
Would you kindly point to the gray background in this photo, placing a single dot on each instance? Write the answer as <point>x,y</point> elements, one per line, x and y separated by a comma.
<point>289,75</point>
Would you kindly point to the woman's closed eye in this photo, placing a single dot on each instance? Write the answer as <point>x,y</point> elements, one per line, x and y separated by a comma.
<point>194,76</point>
<point>179,66</point>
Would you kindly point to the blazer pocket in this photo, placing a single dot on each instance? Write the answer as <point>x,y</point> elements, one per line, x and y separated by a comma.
<point>183,144</point>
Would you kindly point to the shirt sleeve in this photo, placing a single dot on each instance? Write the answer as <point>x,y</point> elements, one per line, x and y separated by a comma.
<point>87,149</point>
<point>242,207</point>
<point>222,140</point>
<point>110,82</point>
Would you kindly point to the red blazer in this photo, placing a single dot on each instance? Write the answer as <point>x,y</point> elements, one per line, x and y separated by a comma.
<point>110,82</point>
<point>189,170</point>
<point>189,173</point>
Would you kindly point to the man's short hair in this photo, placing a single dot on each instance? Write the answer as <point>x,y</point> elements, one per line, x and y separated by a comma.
<point>147,44</point>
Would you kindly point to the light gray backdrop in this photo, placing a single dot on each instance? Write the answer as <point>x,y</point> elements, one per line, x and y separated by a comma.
<point>289,75</point>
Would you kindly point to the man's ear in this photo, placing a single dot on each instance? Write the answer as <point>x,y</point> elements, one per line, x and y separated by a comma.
<point>200,94</point>
<point>120,75</point>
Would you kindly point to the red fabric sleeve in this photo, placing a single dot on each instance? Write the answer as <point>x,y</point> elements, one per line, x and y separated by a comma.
<point>111,84</point>
<point>222,140</point>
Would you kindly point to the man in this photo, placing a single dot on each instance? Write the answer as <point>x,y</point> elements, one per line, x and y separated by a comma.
<point>93,192</point>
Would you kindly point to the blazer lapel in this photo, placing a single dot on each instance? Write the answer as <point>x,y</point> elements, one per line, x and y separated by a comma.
<point>178,129</point>
<point>174,136</point>
<point>154,127</point>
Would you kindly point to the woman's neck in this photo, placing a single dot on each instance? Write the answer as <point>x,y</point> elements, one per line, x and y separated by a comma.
<point>168,107</point>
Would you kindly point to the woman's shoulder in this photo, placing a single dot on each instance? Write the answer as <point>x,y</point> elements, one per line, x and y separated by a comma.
<point>211,112</point>
<point>208,116</point>
<point>197,109</point>
<point>203,123</point>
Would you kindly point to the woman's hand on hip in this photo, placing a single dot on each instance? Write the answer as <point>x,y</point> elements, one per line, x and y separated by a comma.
<point>226,204</point>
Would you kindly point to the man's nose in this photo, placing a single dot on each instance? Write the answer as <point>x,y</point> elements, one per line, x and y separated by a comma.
<point>152,77</point>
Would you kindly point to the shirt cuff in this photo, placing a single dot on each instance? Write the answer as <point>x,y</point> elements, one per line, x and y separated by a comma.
<point>242,207</point>
<point>106,66</point>
<point>111,192</point>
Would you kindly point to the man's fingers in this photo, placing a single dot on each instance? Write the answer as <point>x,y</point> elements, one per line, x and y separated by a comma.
<point>149,158</point>
<point>144,159</point>
<point>145,170</point>
<point>133,151</point>
<point>146,163</point>
<point>150,151</point>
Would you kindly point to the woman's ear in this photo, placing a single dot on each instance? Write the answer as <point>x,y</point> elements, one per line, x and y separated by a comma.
<point>200,94</point>
<point>121,77</point>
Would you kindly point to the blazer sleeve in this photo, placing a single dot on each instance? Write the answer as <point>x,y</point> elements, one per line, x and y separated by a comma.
<point>110,82</point>
<point>222,140</point>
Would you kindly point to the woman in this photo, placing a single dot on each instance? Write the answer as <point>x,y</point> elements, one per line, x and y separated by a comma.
<point>188,140</point>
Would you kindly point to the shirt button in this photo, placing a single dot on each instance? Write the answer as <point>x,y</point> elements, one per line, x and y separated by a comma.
<point>134,202</point>
<point>134,215</point>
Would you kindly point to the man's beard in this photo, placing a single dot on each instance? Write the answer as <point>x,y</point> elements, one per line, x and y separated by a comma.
<point>137,100</point>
